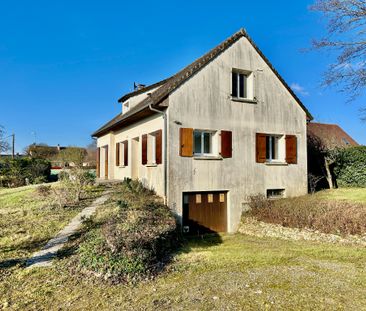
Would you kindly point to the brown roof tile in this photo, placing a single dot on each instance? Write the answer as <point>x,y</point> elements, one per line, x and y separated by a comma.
<point>331,135</point>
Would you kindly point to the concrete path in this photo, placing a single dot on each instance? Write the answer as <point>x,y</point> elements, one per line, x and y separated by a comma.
<point>44,257</point>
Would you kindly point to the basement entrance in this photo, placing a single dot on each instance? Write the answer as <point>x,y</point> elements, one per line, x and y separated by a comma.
<point>205,212</point>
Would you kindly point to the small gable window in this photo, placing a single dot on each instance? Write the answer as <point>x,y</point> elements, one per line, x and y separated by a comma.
<point>241,84</point>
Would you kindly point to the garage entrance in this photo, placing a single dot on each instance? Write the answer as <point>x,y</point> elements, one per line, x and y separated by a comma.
<point>205,212</point>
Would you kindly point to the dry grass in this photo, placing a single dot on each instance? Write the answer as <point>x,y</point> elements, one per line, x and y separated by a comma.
<point>217,272</point>
<point>27,222</point>
<point>228,272</point>
<point>337,211</point>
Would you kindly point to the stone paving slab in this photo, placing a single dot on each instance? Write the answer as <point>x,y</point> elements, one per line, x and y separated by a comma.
<point>43,258</point>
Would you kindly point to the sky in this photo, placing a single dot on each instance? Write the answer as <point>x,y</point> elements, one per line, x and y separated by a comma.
<point>64,64</point>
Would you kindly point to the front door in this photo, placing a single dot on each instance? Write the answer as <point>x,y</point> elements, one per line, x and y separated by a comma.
<point>205,212</point>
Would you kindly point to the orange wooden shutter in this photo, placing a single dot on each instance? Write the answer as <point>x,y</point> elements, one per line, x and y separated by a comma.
<point>158,147</point>
<point>125,153</point>
<point>260,148</point>
<point>144,149</point>
<point>186,142</point>
<point>117,154</point>
<point>291,149</point>
<point>98,162</point>
<point>106,162</point>
<point>226,144</point>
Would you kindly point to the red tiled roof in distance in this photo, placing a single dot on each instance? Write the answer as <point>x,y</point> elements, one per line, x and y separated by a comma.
<point>331,135</point>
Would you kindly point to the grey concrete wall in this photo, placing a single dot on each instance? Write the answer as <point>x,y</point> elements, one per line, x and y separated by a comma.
<point>204,102</point>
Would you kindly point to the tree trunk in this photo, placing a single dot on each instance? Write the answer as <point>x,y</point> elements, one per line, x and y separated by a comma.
<point>328,174</point>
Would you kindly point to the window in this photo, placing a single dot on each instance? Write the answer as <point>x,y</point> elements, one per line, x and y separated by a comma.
<point>276,148</point>
<point>272,147</point>
<point>198,198</point>
<point>203,142</point>
<point>126,107</point>
<point>275,193</point>
<point>210,198</point>
<point>152,148</point>
<point>241,83</point>
<point>122,153</point>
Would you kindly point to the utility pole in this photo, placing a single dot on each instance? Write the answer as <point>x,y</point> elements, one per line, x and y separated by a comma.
<point>13,146</point>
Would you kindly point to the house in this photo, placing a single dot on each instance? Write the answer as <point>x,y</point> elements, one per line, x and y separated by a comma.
<point>60,156</point>
<point>225,127</point>
<point>330,135</point>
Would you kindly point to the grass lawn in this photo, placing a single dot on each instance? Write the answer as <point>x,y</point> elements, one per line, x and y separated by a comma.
<point>217,272</point>
<point>27,222</point>
<point>348,194</point>
<point>228,272</point>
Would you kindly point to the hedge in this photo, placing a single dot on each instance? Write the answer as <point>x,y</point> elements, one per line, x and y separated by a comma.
<point>16,172</point>
<point>350,168</point>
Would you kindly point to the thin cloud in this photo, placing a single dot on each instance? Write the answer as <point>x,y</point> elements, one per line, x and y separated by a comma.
<point>299,89</point>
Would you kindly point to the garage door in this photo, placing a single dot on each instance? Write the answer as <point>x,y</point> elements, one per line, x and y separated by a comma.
<point>205,212</point>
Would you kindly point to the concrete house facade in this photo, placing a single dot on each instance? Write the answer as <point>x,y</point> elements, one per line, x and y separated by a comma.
<point>222,129</point>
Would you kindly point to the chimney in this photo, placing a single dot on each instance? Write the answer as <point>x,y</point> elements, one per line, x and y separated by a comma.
<point>138,86</point>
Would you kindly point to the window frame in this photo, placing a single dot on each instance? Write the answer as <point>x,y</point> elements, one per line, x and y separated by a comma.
<point>151,149</point>
<point>121,146</point>
<point>247,85</point>
<point>273,146</point>
<point>202,142</point>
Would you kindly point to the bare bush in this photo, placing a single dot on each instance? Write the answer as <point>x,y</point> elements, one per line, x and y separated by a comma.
<point>337,217</point>
<point>44,190</point>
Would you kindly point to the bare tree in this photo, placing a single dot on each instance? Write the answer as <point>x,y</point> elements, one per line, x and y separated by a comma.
<point>91,153</point>
<point>325,155</point>
<point>4,145</point>
<point>346,35</point>
<point>73,156</point>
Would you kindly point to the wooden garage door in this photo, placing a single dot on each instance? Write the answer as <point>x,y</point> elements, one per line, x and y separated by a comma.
<point>205,211</point>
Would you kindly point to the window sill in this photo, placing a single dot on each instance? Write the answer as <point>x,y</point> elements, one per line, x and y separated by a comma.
<point>207,158</point>
<point>276,163</point>
<point>151,165</point>
<point>244,100</point>
<point>121,166</point>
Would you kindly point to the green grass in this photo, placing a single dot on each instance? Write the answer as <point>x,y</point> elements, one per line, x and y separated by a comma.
<point>27,222</point>
<point>228,272</point>
<point>217,272</point>
<point>348,194</point>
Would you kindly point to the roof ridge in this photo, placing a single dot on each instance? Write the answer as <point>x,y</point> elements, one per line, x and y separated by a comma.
<point>173,82</point>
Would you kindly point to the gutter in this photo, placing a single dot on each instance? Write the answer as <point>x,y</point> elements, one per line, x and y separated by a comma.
<point>163,114</point>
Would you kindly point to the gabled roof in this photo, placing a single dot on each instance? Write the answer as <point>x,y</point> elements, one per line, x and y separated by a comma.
<point>331,135</point>
<point>167,86</point>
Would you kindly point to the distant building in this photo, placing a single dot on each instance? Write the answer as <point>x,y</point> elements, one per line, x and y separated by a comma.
<point>331,135</point>
<point>53,154</point>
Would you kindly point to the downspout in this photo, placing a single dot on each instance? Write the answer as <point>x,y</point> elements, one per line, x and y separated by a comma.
<point>163,114</point>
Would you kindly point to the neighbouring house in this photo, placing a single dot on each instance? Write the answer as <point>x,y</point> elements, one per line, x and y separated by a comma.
<point>225,127</point>
<point>331,135</point>
<point>60,156</point>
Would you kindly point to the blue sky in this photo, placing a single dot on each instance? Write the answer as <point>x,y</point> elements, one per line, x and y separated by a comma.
<point>64,64</point>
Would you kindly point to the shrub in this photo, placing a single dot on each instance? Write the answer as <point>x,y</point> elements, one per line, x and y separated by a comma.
<point>15,172</point>
<point>136,238</point>
<point>73,184</point>
<point>350,167</point>
<point>338,217</point>
<point>44,190</point>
